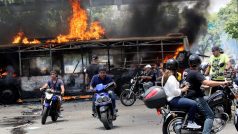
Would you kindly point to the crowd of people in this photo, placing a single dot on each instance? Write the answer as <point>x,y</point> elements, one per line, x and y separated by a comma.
<point>168,77</point>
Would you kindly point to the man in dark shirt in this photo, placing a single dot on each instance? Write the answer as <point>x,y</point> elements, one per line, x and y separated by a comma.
<point>102,78</point>
<point>196,79</point>
<point>55,84</point>
<point>92,69</point>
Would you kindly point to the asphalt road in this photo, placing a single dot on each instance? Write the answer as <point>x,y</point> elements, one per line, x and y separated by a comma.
<point>77,119</point>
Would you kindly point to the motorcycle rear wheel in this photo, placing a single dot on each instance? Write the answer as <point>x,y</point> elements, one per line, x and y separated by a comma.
<point>173,125</point>
<point>127,98</point>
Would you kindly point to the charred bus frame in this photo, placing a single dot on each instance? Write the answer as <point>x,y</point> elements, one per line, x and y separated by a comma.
<point>121,53</point>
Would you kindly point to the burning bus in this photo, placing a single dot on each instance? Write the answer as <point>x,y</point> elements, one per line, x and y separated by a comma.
<point>32,63</point>
<point>25,64</point>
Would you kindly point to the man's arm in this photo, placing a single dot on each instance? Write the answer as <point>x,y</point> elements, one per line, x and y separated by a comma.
<point>62,89</point>
<point>92,83</point>
<point>44,86</point>
<point>211,83</point>
<point>208,70</point>
<point>228,65</point>
<point>146,77</point>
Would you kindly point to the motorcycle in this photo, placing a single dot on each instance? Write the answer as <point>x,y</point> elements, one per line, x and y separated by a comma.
<point>50,106</point>
<point>175,119</point>
<point>235,92</point>
<point>129,96</point>
<point>103,105</point>
<point>234,89</point>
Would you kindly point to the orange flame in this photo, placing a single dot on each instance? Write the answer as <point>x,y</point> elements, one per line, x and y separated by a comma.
<point>179,49</point>
<point>20,38</point>
<point>79,29</point>
<point>78,26</point>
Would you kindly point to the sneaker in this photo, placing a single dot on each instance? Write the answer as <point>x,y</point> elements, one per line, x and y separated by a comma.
<point>94,114</point>
<point>193,125</point>
<point>115,110</point>
<point>60,115</point>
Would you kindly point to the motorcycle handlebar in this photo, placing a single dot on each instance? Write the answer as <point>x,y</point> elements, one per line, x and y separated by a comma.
<point>53,91</point>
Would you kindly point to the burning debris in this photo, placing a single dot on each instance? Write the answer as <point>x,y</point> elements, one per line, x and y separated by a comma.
<point>20,38</point>
<point>79,29</point>
<point>174,55</point>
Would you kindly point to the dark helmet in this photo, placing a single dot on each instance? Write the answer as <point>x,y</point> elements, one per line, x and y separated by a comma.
<point>172,64</point>
<point>204,65</point>
<point>194,60</point>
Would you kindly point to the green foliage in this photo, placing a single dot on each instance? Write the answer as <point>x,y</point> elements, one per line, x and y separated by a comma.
<point>225,21</point>
<point>231,26</point>
<point>228,17</point>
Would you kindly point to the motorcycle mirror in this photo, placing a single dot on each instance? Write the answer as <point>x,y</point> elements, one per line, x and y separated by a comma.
<point>109,85</point>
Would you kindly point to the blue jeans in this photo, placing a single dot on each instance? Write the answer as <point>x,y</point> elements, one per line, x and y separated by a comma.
<point>147,85</point>
<point>111,95</point>
<point>208,113</point>
<point>191,105</point>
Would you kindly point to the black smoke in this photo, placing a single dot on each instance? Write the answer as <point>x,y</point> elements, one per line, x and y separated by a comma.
<point>37,19</point>
<point>161,17</point>
<point>145,18</point>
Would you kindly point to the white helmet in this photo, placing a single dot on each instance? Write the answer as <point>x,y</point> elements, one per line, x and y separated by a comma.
<point>148,66</point>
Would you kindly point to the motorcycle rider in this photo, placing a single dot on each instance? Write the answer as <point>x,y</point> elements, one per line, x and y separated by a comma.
<point>218,63</point>
<point>196,79</point>
<point>173,92</point>
<point>218,66</point>
<point>102,78</point>
<point>56,85</point>
<point>148,77</point>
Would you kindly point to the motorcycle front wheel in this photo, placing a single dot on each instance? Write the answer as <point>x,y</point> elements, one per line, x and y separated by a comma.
<point>44,115</point>
<point>236,122</point>
<point>127,98</point>
<point>54,117</point>
<point>106,119</point>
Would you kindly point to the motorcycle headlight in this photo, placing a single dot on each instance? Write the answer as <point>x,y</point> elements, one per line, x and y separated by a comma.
<point>132,80</point>
<point>48,95</point>
<point>105,98</point>
<point>100,100</point>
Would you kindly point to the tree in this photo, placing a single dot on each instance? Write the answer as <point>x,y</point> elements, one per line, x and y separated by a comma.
<point>228,17</point>
<point>231,26</point>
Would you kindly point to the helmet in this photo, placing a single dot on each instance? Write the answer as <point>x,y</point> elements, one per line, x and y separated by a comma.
<point>194,60</point>
<point>148,66</point>
<point>204,65</point>
<point>172,64</point>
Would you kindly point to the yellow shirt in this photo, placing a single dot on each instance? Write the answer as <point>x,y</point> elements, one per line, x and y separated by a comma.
<point>216,70</point>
